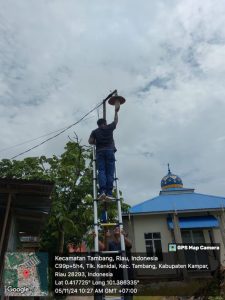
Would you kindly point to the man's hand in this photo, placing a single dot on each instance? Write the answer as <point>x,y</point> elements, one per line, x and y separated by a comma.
<point>127,241</point>
<point>117,106</point>
<point>123,233</point>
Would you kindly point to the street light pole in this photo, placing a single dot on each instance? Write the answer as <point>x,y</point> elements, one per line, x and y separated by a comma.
<point>104,102</point>
<point>104,110</point>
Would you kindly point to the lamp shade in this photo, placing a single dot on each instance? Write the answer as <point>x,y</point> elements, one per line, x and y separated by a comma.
<point>114,99</point>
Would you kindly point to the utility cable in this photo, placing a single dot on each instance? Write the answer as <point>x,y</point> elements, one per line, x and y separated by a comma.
<point>98,113</point>
<point>62,131</point>
<point>32,140</point>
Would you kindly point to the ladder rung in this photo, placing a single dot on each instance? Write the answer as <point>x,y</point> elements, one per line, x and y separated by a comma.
<point>108,224</point>
<point>110,252</point>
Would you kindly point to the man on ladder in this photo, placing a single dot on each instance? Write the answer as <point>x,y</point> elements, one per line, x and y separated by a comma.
<point>103,155</point>
<point>102,137</point>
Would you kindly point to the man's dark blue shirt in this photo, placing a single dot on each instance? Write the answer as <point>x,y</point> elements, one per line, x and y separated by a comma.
<point>104,137</point>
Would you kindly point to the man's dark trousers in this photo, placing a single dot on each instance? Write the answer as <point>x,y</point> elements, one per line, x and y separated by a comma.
<point>106,168</point>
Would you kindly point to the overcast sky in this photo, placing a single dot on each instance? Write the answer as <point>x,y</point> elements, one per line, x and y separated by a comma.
<point>58,59</point>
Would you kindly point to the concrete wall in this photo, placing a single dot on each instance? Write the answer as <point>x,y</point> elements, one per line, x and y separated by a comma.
<point>153,223</point>
<point>137,225</point>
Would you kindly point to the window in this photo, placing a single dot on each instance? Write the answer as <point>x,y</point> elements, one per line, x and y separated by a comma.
<point>153,245</point>
<point>194,237</point>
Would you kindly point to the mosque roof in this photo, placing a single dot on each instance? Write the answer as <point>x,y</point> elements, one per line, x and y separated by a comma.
<point>179,200</point>
<point>174,197</point>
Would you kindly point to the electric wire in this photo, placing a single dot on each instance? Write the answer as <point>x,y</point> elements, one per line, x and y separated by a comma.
<point>98,113</point>
<point>32,140</point>
<point>62,131</point>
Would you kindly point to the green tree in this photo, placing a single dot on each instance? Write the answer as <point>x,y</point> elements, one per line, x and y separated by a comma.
<point>72,203</point>
<point>71,211</point>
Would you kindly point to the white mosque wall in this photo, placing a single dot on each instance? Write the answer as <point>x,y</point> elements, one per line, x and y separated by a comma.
<point>138,226</point>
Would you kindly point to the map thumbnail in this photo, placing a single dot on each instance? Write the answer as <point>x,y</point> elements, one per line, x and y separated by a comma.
<point>26,274</point>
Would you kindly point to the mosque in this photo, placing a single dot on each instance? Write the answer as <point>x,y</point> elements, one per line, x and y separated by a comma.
<point>178,215</point>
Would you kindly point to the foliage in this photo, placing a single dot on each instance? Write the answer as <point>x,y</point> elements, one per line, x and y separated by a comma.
<point>72,204</point>
<point>71,210</point>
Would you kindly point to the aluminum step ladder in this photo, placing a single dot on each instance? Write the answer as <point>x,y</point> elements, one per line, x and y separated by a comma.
<point>107,224</point>
<point>96,202</point>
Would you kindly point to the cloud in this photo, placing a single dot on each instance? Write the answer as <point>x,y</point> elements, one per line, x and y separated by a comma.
<point>58,59</point>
